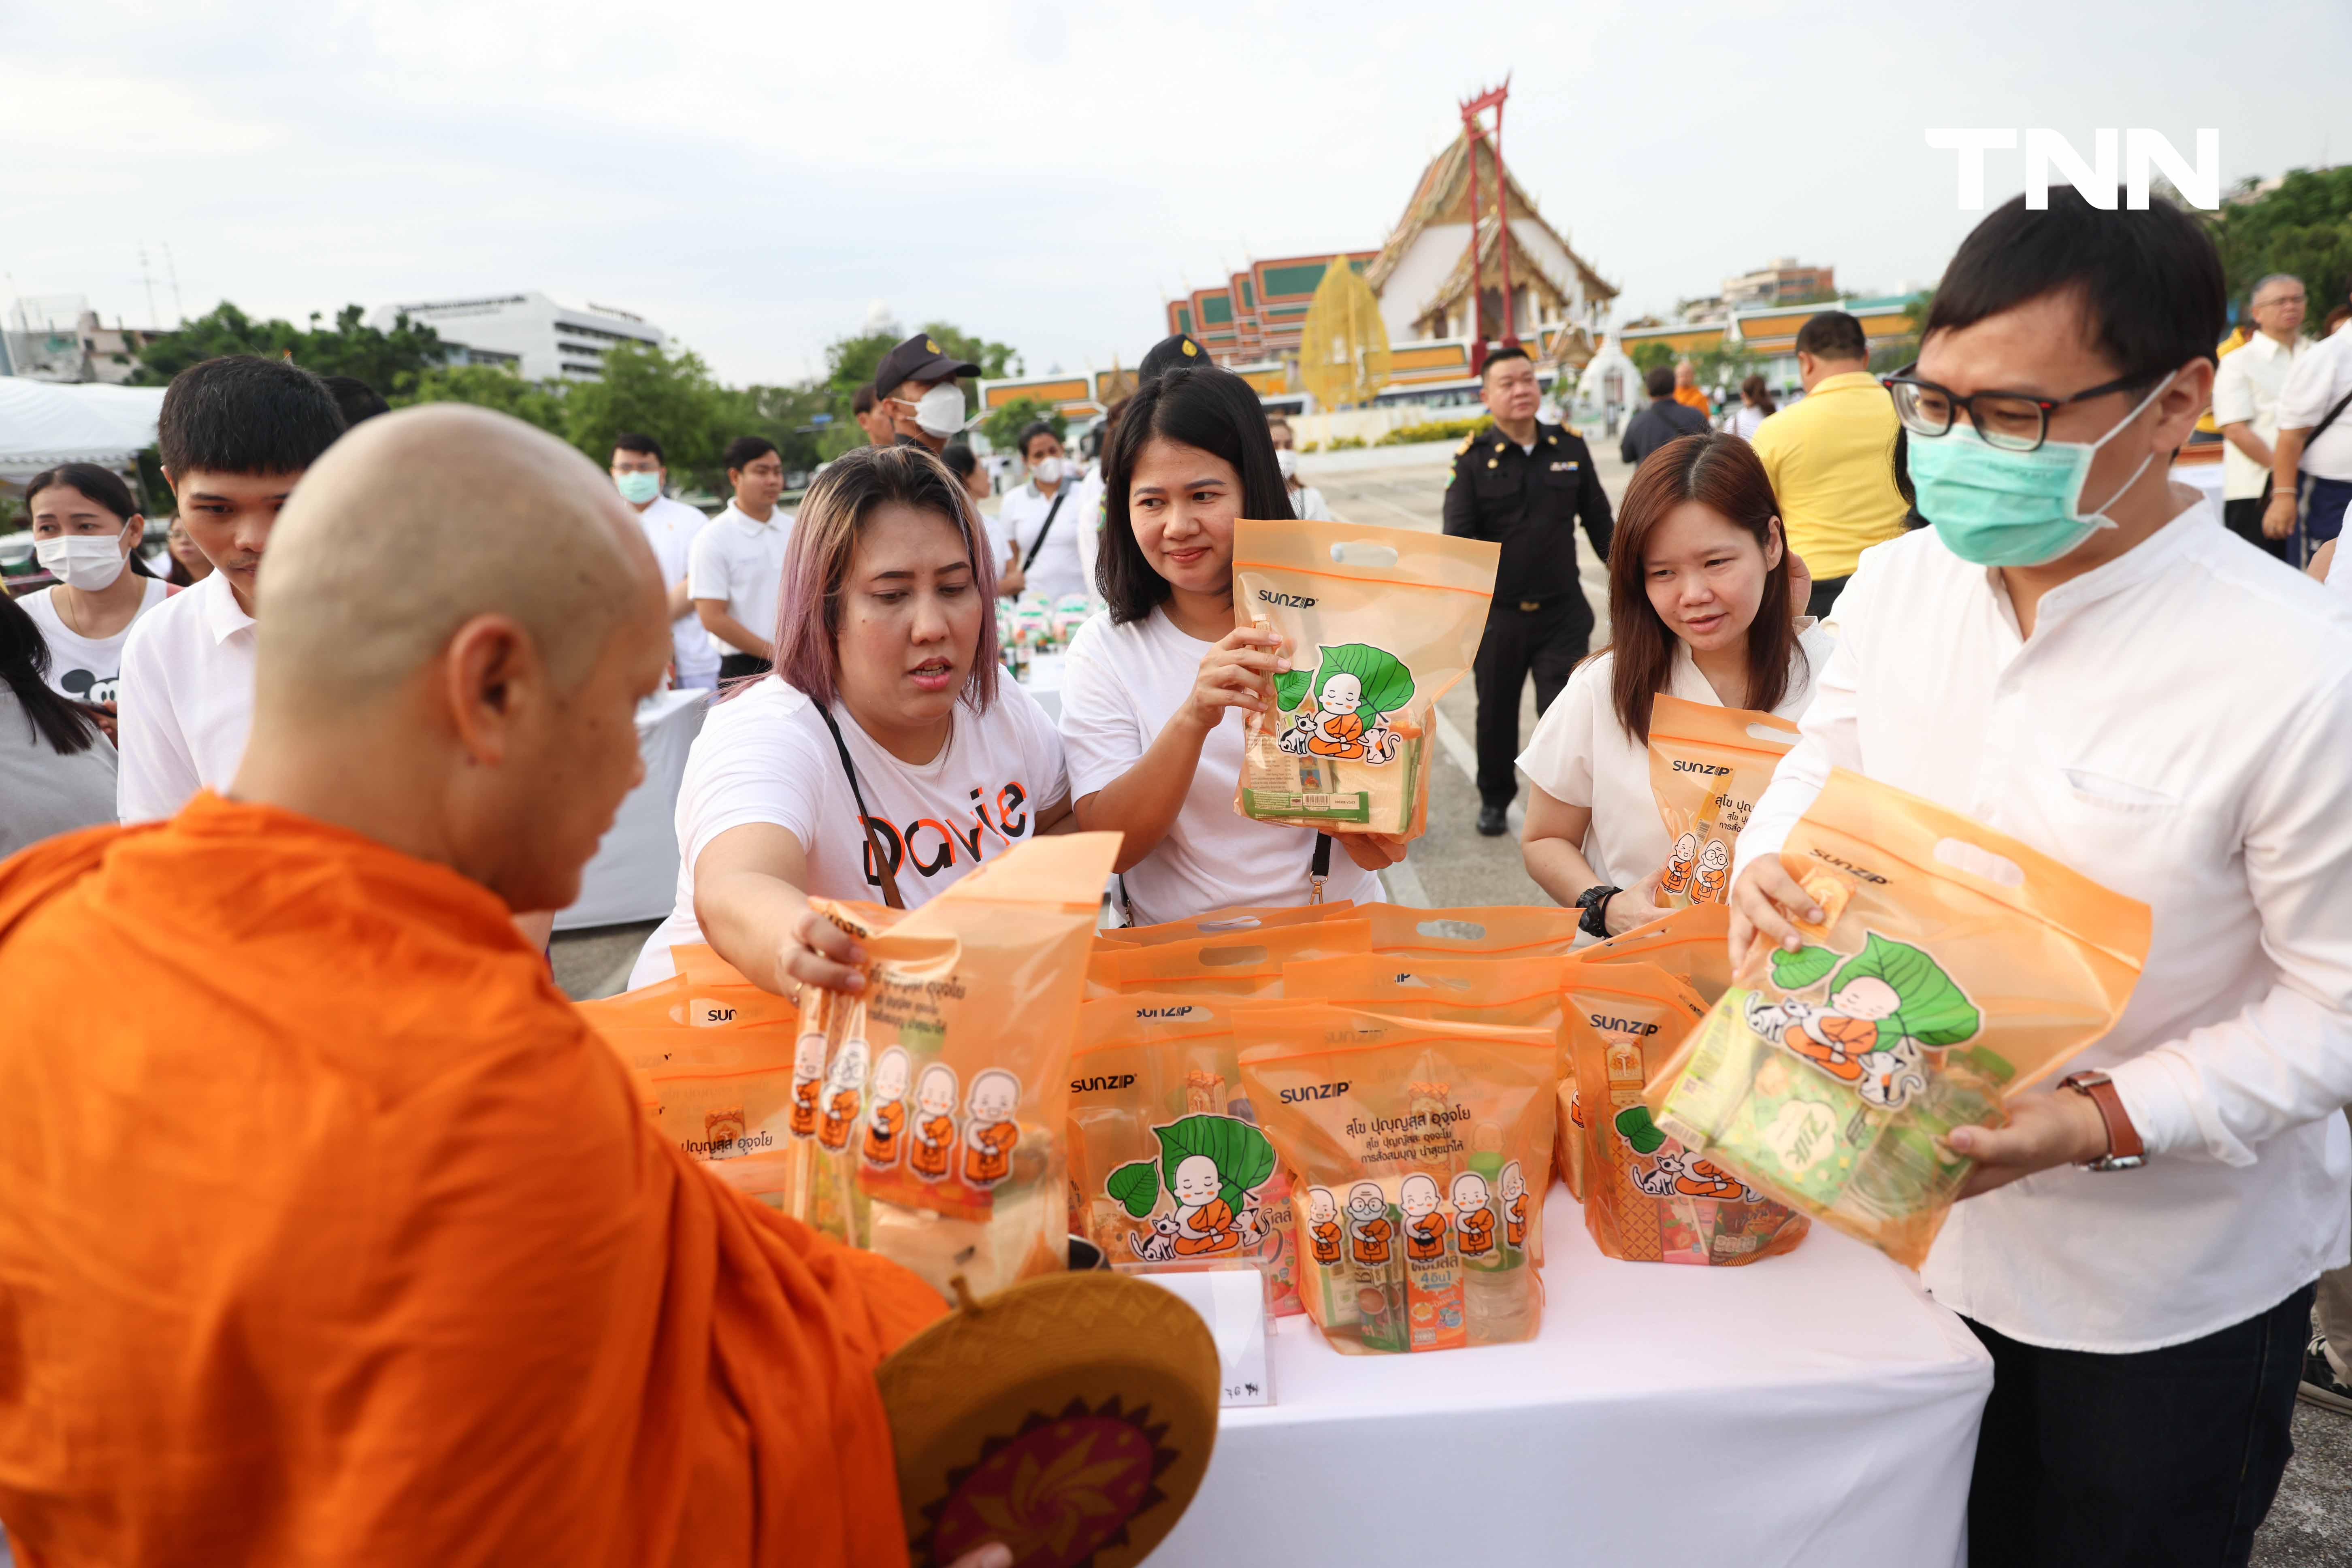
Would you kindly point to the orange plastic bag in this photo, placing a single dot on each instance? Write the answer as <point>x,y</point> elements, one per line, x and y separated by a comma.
<point>1247,964</point>
<point>1954,968</point>
<point>1228,922</point>
<point>1378,624</point>
<point>1647,1199</point>
<point>1497,931</point>
<point>1708,765</point>
<point>1167,1161</point>
<point>1692,944</point>
<point>1418,1151</point>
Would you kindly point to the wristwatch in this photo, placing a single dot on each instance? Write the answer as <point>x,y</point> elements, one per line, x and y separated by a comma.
<point>2125,1151</point>
<point>1594,902</point>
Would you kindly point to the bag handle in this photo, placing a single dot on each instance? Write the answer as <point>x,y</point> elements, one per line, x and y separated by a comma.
<point>1318,868</point>
<point>865,818</point>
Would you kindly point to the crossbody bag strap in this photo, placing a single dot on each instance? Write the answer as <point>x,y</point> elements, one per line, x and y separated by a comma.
<point>1318,869</point>
<point>1045,528</point>
<point>865,818</point>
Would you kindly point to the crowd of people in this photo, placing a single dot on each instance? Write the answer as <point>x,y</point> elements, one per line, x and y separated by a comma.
<point>317,1151</point>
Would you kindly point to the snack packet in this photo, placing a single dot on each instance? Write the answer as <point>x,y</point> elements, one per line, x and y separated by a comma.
<point>1418,1151</point>
<point>1954,967</point>
<point>1708,765</point>
<point>1229,923</point>
<point>935,1136</point>
<point>1378,624</point>
<point>1499,930</point>
<point>1167,1162</point>
<point>1247,964</point>
<point>1692,944</point>
<point>1647,1199</point>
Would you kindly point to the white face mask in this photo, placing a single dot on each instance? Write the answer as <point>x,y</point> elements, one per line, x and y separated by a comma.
<point>1287,462</point>
<point>939,412</point>
<point>1046,470</point>
<point>85,561</point>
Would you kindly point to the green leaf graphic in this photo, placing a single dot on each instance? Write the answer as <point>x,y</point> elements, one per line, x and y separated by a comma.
<point>1387,683</point>
<point>1136,1185</point>
<point>1634,1126</point>
<point>1795,971</point>
<point>1934,1011</point>
<point>1290,689</point>
<point>1240,1152</point>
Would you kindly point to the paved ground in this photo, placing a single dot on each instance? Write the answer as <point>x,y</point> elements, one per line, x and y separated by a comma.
<point>2311,1524</point>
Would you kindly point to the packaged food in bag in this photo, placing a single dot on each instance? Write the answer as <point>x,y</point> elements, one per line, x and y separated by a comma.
<point>1418,1151</point>
<point>1167,1161</point>
<point>1378,624</point>
<point>1495,930</point>
<point>1955,966</point>
<point>1247,964</point>
<point>1692,944</point>
<point>1646,1198</point>
<point>1229,923</point>
<point>1708,766</point>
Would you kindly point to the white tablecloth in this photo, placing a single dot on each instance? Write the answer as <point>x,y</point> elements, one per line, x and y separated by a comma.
<point>634,874</point>
<point>1813,1409</point>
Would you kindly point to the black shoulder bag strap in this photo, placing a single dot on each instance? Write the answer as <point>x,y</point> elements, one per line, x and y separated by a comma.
<point>874,844</point>
<point>2326,420</point>
<point>1047,527</point>
<point>1318,869</point>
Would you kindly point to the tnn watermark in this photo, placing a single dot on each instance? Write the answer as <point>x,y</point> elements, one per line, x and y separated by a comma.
<point>2199,185</point>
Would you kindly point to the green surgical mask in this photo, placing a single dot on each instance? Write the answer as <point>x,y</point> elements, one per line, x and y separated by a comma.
<point>1999,508</point>
<point>638,489</point>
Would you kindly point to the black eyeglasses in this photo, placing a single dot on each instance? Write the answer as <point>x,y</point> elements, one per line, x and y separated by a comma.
<point>2013,421</point>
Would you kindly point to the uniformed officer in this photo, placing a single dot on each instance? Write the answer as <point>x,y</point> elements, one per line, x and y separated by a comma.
<point>1520,484</point>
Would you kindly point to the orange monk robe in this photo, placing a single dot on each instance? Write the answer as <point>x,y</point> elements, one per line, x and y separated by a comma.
<point>988,1152</point>
<point>883,1125</point>
<point>332,1234</point>
<point>928,1156</point>
<point>1326,1241</point>
<point>1425,1237</point>
<point>1692,397</point>
<point>1477,1233</point>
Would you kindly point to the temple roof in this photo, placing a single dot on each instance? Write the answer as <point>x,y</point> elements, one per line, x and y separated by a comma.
<point>1443,195</point>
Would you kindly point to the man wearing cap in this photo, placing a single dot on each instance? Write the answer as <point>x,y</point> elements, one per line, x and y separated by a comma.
<point>916,386</point>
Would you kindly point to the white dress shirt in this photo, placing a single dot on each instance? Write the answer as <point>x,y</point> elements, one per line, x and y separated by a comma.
<point>741,560</point>
<point>2321,378</point>
<point>187,702</point>
<point>671,528</point>
<point>2246,391</point>
<point>2178,728</point>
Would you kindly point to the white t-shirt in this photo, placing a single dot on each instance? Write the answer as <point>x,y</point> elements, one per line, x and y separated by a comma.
<point>671,528</point>
<point>1022,514</point>
<point>1121,685</point>
<point>1745,420</point>
<point>741,561</point>
<point>2322,376</point>
<point>86,668</point>
<point>186,705</point>
<point>765,757</point>
<point>1580,756</point>
<point>1309,503</point>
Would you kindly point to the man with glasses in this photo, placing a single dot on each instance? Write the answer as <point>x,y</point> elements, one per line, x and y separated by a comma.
<point>2076,654</point>
<point>1830,457</point>
<point>2245,407</point>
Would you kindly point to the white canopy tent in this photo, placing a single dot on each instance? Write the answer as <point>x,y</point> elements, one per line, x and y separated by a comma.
<point>43,424</point>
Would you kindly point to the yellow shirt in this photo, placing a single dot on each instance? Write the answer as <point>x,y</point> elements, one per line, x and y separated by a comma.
<point>1830,459</point>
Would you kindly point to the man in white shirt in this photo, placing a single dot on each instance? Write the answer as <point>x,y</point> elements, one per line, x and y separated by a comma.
<point>1038,523</point>
<point>671,527</point>
<point>739,562</point>
<point>234,433</point>
<point>2042,659</point>
<point>2245,405</point>
<point>2314,451</point>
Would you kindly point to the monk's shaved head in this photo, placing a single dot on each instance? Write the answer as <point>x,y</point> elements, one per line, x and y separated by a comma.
<point>419,521</point>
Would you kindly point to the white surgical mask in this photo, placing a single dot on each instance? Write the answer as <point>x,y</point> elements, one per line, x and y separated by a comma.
<point>1046,470</point>
<point>1287,462</point>
<point>939,412</point>
<point>85,561</point>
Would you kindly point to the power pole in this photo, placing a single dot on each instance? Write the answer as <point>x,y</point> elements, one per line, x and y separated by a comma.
<point>147,278</point>
<point>178,309</point>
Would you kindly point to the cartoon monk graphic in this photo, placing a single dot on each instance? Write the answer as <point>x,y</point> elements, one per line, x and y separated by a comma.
<point>1323,1225</point>
<point>886,1118</point>
<point>989,1133</point>
<point>1713,871</point>
<point>1514,1205</point>
<point>808,1072</point>
<point>1473,1223</point>
<point>843,1087</point>
<point>1369,1231</point>
<point>1424,1222</point>
<point>1678,864</point>
<point>1204,1221</point>
<point>1355,690</point>
<point>934,1135</point>
<point>1886,1007</point>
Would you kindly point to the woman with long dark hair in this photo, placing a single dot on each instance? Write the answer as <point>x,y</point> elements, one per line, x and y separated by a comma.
<point>56,770</point>
<point>86,532</point>
<point>1700,607</point>
<point>1755,405</point>
<point>1159,687</point>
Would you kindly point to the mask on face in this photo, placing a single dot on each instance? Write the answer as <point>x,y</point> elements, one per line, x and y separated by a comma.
<point>1999,508</point>
<point>939,412</point>
<point>1287,462</point>
<point>1046,470</point>
<point>638,489</point>
<point>84,561</point>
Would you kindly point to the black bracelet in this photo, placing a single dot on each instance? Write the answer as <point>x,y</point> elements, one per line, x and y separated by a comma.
<point>1594,902</point>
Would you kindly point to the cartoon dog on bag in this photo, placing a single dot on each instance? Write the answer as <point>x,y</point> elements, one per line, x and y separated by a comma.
<point>1885,1009</point>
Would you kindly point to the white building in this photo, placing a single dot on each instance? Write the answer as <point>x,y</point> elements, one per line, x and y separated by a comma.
<point>552,342</point>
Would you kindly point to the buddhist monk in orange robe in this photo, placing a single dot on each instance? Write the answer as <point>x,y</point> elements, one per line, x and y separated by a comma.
<point>332,1234</point>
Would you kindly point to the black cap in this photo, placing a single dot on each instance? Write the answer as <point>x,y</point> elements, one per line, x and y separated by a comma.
<point>920,358</point>
<point>1168,353</point>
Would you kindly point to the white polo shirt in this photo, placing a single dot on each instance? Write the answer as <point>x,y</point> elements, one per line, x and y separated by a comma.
<point>740,561</point>
<point>2246,391</point>
<point>2320,378</point>
<point>671,528</point>
<point>187,702</point>
<point>1021,517</point>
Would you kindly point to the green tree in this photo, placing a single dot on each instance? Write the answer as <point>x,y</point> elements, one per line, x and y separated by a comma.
<point>1004,426</point>
<point>850,363</point>
<point>1647,357</point>
<point>492,386</point>
<point>669,396</point>
<point>2304,227</point>
<point>391,361</point>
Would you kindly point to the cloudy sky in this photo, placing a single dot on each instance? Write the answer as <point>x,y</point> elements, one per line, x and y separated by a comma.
<point>752,177</point>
